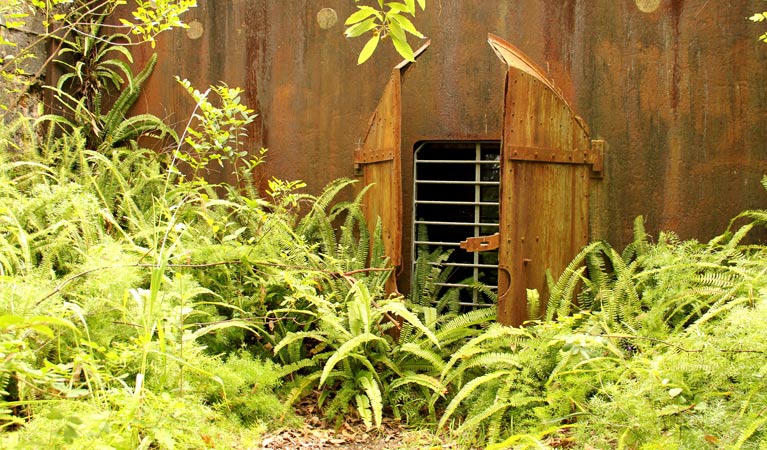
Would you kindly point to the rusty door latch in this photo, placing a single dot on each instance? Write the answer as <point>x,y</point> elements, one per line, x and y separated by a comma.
<point>481,243</point>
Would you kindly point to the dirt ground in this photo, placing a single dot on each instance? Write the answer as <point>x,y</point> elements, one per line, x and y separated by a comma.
<point>316,434</point>
<point>349,438</point>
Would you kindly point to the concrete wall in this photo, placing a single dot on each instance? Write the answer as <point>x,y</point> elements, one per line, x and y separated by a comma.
<point>675,87</point>
<point>16,94</point>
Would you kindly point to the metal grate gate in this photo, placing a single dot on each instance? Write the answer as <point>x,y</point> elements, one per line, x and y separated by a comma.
<point>456,194</point>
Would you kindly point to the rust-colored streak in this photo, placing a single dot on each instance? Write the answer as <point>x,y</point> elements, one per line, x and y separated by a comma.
<point>560,19</point>
<point>676,7</point>
<point>256,69</point>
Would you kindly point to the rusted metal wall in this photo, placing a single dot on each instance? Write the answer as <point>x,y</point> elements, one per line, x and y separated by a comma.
<point>676,88</point>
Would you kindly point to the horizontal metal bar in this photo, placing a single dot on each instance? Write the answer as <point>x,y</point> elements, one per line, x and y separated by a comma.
<point>552,155</point>
<point>473,162</point>
<point>441,202</point>
<point>454,244</point>
<point>371,156</point>
<point>457,224</point>
<point>476,305</point>
<point>468,145</point>
<point>470,183</point>
<point>461,285</point>
<point>471,304</point>
<point>480,266</point>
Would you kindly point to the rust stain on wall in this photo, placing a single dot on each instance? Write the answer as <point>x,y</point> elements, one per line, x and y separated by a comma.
<point>676,9</point>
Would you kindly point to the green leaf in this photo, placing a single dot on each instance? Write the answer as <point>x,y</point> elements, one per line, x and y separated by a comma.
<point>399,309</point>
<point>358,308</point>
<point>400,8</point>
<point>403,48</point>
<point>407,25</point>
<point>363,13</point>
<point>363,407</point>
<point>373,392</point>
<point>468,389</point>
<point>360,28</point>
<point>673,392</point>
<point>421,380</point>
<point>422,4</point>
<point>395,30</point>
<point>344,352</point>
<point>368,49</point>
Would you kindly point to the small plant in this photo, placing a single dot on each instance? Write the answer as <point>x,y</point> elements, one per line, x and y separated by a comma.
<point>382,23</point>
<point>216,132</point>
<point>351,345</point>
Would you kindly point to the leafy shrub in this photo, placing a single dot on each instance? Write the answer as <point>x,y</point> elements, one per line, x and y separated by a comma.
<point>660,348</point>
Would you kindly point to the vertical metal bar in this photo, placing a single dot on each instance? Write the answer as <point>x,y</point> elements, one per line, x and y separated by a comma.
<point>413,231</point>
<point>477,214</point>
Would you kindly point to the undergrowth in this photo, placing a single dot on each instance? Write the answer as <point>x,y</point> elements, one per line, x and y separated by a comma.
<point>142,307</point>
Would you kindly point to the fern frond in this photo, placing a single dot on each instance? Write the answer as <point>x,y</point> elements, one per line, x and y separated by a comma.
<point>419,379</point>
<point>340,404</point>
<point>373,393</point>
<point>399,309</point>
<point>434,359</point>
<point>477,418</point>
<point>466,391</point>
<point>463,325</point>
<point>133,127</point>
<point>292,368</point>
<point>561,293</point>
<point>299,337</point>
<point>128,97</point>
<point>495,334</point>
<point>478,358</point>
<point>345,351</point>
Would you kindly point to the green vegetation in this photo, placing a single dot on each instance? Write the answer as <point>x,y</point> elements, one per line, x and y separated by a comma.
<point>143,307</point>
<point>388,21</point>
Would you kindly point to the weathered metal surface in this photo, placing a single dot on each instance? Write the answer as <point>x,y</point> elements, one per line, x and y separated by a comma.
<point>383,200</point>
<point>380,162</point>
<point>677,91</point>
<point>556,155</point>
<point>370,156</point>
<point>544,220</point>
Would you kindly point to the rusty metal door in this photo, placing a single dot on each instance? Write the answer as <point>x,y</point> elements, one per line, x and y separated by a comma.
<point>379,161</point>
<point>380,164</point>
<point>547,161</point>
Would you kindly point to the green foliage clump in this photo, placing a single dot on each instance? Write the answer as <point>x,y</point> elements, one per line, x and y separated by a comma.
<point>659,346</point>
<point>248,386</point>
